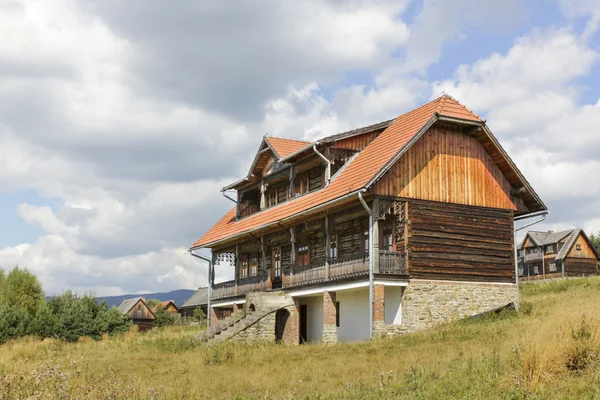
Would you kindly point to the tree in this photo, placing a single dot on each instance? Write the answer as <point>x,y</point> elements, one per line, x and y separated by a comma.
<point>22,290</point>
<point>595,239</point>
<point>164,318</point>
<point>151,303</point>
<point>2,278</point>
<point>199,315</point>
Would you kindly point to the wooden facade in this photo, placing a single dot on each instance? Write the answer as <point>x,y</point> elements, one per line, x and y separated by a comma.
<point>457,242</point>
<point>447,165</point>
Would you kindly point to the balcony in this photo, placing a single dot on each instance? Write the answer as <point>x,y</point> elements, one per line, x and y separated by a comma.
<point>346,266</point>
<point>533,257</point>
<point>343,267</point>
<point>246,285</point>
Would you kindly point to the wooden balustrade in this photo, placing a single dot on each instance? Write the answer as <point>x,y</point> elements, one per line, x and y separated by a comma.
<point>305,274</point>
<point>246,285</point>
<point>349,265</point>
<point>391,262</point>
<point>345,266</point>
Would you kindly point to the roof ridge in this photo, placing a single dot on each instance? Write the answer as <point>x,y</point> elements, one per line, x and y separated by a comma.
<point>447,96</point>
<point>441,102</point>
<point>282,138</point>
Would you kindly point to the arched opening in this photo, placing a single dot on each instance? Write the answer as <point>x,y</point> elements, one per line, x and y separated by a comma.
<point>252,308</point>
<point>281,318</point>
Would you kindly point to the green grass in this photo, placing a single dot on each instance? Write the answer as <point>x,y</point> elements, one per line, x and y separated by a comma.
<point>550,350</point>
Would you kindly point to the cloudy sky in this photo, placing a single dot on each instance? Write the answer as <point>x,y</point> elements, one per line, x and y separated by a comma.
<point>121,120</point>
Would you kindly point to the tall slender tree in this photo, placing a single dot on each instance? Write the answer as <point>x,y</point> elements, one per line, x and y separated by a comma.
<point>22,290</point>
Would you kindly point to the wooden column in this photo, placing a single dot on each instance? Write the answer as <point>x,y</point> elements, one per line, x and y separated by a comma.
<point>237,267</point>
<point>263,196</point>
<point>293,255</point>
<point>291,188</point>
<point>327,245</point>
<point>264,260</point>
<point>375,236</point>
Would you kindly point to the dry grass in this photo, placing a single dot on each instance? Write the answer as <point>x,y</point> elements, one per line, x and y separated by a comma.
<point>549,353</point>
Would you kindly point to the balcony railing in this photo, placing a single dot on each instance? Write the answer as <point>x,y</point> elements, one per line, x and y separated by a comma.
<point>246,285</point>
<point>391,262</point>
<point>533,257</point>
<point>346,266</point>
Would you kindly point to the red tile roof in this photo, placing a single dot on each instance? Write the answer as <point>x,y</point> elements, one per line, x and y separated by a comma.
<point>285,147</point>
<point>354,177</point>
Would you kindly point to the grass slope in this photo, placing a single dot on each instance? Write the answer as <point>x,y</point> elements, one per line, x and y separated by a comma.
<point>548,351</point>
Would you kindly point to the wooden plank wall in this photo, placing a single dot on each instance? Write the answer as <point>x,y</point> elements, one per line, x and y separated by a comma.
<point>585,252</point>
<point>450,166</point>
<point>144,313</point>
<point>580,266</point>
<point>357,143</point>
<point>457,242</point>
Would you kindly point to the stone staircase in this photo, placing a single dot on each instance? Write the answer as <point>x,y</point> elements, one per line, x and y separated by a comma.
<point>264,304</point>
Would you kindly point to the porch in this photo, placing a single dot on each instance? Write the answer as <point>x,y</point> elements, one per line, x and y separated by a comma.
<point>348,266</point>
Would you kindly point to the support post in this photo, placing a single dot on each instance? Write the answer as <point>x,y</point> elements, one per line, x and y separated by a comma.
<point>263,196</point>
<point>237,267</point>
<point>543,262</point>
<point>327,246</point>
<point>293,255</point>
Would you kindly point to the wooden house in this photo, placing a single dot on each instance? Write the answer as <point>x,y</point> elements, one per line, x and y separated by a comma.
<point>557,254</point>
<point>198,299</point>
<point>138,311</point>
<point>168,306</point>
<point>385,229</point>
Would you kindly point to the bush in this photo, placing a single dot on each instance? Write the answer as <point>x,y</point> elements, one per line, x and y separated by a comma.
<point>164,318</point>
<point>21,289</point>
<point>13,324</point>
<point>198,315</point>
<point>583,348</point>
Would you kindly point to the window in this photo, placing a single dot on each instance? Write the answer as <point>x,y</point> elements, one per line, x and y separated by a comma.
<point>536,270</point>
<point>387,242</point>
<point>277,262</point>
<point>302,256</point>
<point>244,268</point>
<point>549,248</point>
<point>552,267</point>
<point>333,246</point>
<point>578,247</point>
<point>253,265</point>
<point>365,240</point>
<point>139,308</point>
<point>301,185</point>
<point>521,271</point>
<point>272,197</point>
<point>337,314</point>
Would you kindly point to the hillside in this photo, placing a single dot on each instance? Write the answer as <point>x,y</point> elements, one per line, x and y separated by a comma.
<point>178,296</point>
<point>548,350</point>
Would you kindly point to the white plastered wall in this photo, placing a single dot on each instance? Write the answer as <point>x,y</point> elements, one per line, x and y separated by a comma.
<point>393,305</point>
<point>354,315</point>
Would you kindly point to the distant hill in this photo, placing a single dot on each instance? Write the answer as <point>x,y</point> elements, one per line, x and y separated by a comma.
<point>178,296</point>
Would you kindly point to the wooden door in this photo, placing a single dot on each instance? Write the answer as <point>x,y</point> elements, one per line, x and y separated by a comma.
<point>276,267</point>
<point>303,321</point>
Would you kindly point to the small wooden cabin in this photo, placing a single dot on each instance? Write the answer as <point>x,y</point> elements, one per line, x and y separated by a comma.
<point>138,311</point>
<point>168,306</point>
<point>557,254</point>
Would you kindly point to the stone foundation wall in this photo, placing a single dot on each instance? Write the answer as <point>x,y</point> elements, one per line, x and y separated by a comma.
<point>262,330</point>
<point>330,330</point>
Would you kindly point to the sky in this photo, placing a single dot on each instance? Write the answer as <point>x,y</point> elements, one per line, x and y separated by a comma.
<point>121,121</point>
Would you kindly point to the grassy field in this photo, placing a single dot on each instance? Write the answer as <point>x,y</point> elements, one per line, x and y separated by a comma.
<point>549,350</point>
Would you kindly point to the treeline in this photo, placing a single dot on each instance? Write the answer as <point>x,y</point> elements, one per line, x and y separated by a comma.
<point>24,311</point>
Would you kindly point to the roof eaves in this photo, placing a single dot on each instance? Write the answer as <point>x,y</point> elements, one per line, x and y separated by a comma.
<point>515,168</point>
<point>271,224</point>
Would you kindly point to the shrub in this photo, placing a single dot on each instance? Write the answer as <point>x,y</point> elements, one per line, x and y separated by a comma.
<point>13,324</point>
<point>583,347</point>
<point>21,289</point>
<point>164,318</point>
<point>198,315</point>
<point>525,308</point>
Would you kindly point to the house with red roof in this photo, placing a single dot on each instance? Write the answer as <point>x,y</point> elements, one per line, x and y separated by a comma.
<point>385,229</point>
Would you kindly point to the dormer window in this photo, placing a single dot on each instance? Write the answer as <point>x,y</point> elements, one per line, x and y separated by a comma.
<point>272,197</point>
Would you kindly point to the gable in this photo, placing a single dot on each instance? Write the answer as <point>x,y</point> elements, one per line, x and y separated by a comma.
<point>140,311</point>
<point>528,242</point>
<point>447,165</point>
<point>585,248</point>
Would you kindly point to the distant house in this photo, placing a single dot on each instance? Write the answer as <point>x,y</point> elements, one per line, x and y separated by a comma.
<point>168,305</point>
<point>138,311</point>
<point>198,299</point>
<point>556,254</point>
